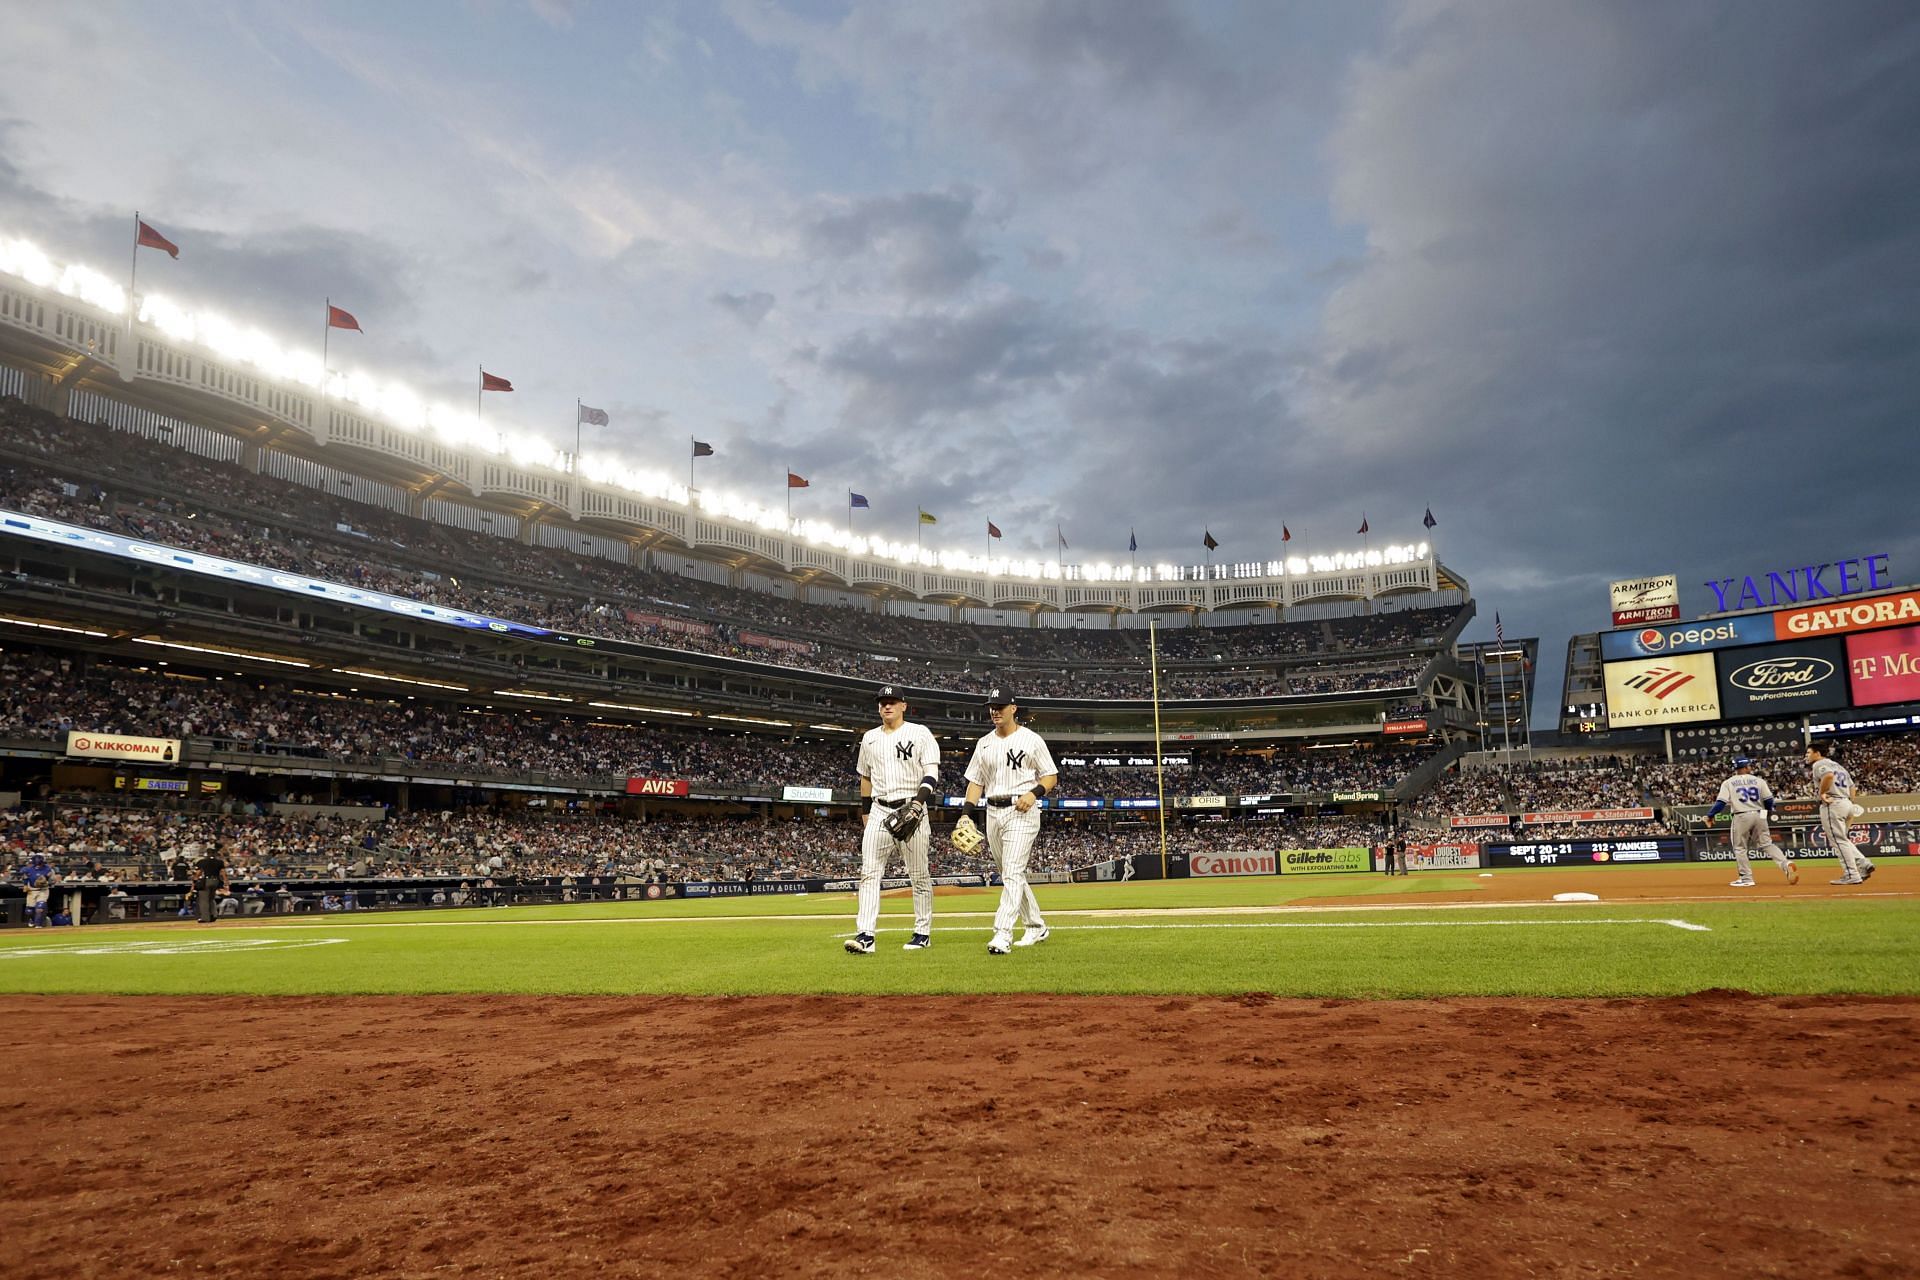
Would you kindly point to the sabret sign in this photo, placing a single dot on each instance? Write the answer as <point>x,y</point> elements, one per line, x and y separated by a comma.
<point>1233,864</point>
<point>657,786</point>
<point>1773,589</point>
<point>1646,600</point>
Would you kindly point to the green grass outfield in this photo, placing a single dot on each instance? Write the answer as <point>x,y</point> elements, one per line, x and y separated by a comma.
<point>1167,944</point>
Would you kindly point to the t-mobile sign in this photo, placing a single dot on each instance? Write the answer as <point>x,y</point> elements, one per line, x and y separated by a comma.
<point>1884,666</point>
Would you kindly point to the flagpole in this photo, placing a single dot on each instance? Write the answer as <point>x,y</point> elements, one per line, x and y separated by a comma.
<point>576,433</point>
<point>690,456</point>
<point>479,390</point>
<point>326,334</point>
<point>133,274</point>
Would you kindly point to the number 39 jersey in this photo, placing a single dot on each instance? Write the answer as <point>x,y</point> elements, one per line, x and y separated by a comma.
<point>1745,793</point>
<point>1004,767</point>
<point>895,762</point>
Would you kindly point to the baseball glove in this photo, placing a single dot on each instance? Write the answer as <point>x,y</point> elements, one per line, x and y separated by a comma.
<point>905,820</point>
<point>966,836</point>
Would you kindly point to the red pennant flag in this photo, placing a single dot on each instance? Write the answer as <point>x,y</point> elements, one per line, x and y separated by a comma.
<point>338,319</point>
<point>993,530</point>
<point>1363,525</point>
<point>151,239</point>
<point>795,482</point>
<point>1286,534</point>
<point>490,383</point>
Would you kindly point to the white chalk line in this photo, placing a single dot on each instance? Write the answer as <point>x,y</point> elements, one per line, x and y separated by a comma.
<point>161,947</point>
<point>1687,925</point>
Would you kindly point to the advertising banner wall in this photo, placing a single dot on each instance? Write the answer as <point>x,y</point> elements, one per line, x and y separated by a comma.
<point>1662,691</point>
<point>1394,727</point>
<point>1585,853</point>
<point>1783,679</point>
<point>1443,857</point>
<point>1316,861</point>
<point>122,746</point>
<point>1232,864</point>
<point>1642,600</point>
<point>1555,816</point>
<point>1479,820</point>
<point>1884,666</point>
<point>807,795</point>
<point>1853,615</point>
<point>658,786</point>
<point>1686,637</point>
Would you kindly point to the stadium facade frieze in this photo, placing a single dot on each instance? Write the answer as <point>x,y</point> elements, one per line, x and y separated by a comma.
<point>63,345</point>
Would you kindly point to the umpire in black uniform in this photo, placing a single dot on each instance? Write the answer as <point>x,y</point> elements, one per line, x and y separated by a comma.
<point>209,882</point>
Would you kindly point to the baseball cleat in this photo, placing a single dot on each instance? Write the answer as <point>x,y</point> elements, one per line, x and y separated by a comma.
<point>1741,883</point>
<point>1036,933</point>
<point>918,942</point>
<point>1866,872</point>
<point>1846,880</point>
<point>1001,944</point>
<point>1793,874</point>
<point>860,944</point>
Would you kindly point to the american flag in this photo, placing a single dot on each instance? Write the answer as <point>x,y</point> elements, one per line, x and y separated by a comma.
<point>1499,632</point>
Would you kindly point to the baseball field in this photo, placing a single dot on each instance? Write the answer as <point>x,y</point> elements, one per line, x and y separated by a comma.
<point>1321,1076</point>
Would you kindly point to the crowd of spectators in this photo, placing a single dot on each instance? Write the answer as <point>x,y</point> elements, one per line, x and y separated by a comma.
<point>104,478</point>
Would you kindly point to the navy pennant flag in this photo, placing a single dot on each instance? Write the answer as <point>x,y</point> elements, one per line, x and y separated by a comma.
<point>1133,543</point>
<point>1207,541</point>
<point>857,500</point>
<point>589,416</point>
<point>1429,521</point>
<point>701,449</point>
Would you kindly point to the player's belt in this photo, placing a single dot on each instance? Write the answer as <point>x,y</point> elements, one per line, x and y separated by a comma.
<point>888,804</point>
<point>1001,802</point>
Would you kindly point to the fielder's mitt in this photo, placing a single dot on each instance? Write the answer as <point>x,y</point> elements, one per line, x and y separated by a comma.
<point>905,820</point>
<point>966,836</point>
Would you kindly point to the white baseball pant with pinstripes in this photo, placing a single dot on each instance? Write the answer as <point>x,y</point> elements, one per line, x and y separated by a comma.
<point>1010,836</point>
<point>877,849</point>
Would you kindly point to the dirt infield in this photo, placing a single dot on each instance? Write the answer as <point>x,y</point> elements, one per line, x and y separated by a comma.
<point>1716,1135</point>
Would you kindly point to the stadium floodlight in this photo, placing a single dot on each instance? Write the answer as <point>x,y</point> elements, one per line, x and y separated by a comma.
<point>834,728</point>
<point>773,724</point>
<point>24,259</point>
<point>650,711</point>
<point>92,288</point>
<point>49,626</point>
<point>381,675</point>
<point>529,693</point>
<point>224,653</point>
<point>168,316</point>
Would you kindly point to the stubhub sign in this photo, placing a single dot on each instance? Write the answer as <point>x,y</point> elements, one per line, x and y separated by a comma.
<point>1685,637</point>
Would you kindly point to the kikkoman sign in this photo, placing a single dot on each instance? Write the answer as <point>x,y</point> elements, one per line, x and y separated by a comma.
<point>120,746</point>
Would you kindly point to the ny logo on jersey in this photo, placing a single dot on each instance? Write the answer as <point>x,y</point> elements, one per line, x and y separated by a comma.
<point>903,750</point>
<point>1015,759</point>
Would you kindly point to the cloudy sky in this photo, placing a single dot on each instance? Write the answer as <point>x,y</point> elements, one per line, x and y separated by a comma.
<point>1614,288</point>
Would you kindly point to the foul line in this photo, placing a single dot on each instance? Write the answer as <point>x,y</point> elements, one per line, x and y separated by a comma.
<point>1687,925</point>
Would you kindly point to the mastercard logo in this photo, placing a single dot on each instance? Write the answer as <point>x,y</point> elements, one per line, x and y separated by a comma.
<point>1600,855</point>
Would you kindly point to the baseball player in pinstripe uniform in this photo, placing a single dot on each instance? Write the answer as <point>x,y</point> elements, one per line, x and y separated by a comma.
<point>899,766</point>
<point>1834,786</point>
<point>1750,799</point>
<point>1011,772</point>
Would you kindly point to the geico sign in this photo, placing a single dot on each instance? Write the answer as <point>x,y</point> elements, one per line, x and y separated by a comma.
<point>1232,864</point>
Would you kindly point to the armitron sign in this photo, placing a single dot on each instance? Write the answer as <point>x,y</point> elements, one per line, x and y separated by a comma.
<point>120,746</point>
<point>1232,864</point>
<point>657,786</point>
<point>1641,600</point>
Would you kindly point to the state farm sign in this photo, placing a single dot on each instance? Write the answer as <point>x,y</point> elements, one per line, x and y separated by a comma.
<point>657,786</point>
<point>120,746</point>
<point>1232,864</point>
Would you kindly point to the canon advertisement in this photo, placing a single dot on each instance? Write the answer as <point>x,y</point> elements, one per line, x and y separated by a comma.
<point>1783,679</point>
<point>1884,666</point>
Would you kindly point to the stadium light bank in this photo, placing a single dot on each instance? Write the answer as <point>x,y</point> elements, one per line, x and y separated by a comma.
<point>404,409</point>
